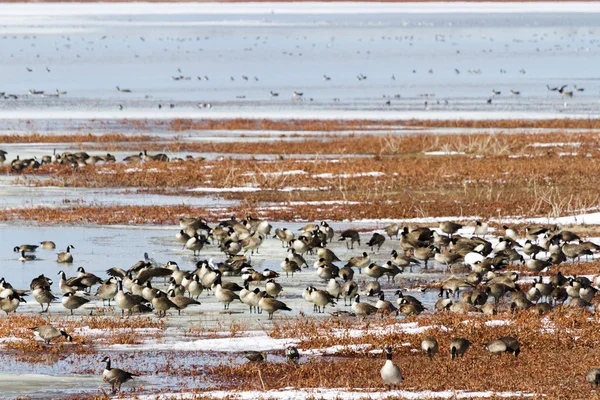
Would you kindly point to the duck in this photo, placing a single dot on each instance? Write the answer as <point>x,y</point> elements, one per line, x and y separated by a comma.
<point>255,356</point>
<point>115,376</point>
<point>72,302</point>
<point>49,333</point>
<point>390,372</point>
<point>65,256</point>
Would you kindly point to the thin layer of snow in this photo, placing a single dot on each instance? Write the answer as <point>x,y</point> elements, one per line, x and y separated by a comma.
<point>224,190</point>
<point>280,173</point>
<point>356,175</point>
<point>258,341</point>
<point>336,349</point>
<point>340,393</point>
<point>498,322</point>
<point>443,153</point>
<point>310,8</point>
<point>556,144</point>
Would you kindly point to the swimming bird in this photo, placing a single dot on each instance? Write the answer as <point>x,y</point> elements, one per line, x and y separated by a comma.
<point>123,90</point>
<point>65,256</point>
<point>48,245</point>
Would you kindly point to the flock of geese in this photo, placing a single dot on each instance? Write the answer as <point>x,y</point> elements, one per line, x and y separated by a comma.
<point>484,288</point>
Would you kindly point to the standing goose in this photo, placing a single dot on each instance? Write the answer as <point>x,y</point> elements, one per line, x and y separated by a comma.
<point>87,279</point>
<point>72,302</point>
<point>108,290</point>
<point>359,262</point>
<point>289,267</point>
<point>458,346</point>
<point>363,309</point>
<point>43,295</point>
<point>449,227</point>
<point>390,372</point>
<point>352,236</point>
<point>29,248</point>
<point>126,301</point>
<point>225,296</point>
<point>270,305</point>
<point>115,376</point>
<point>162,304</point>
<point>181,302</point>
<point>376,240</point>
<point>65,256</point>
<point>430,346</point>
<point>48,333</point>
<point>196,243</point>
<point>273,288</point>
<point>70,285</point>
<point>349,290</point>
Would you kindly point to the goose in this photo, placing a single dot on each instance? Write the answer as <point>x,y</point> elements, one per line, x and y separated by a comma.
<point>384,306</point>
<point>392,230</point>
<point>376,240</point>
<point>363,309</point>
<point>108,290</point>
<point>425,253</point>
<point>126,301</point>
<point>11,302</point>
<point>320,299</point>
<point>284,235</point>
<point>70,285</point>
<point>26,257</point>
<point>334,288</point>
<point>255,356</point>
<point>72,302</point>
<point>29,248</point>
<point>403,260</point>
<point>458,346</point>
<point>327,230</point>
<point>352,236</point>
<point>195,288</point>
<point>48,333</point>
<point>271,305</point>
<point>326,254</point>
<point>115,376</point>
<point>375,271</point>
<point>531,249</point>
<point>48,245</point>
<point>349,290</point>
<point>372,288</point>
<point>390,372</point>
<point>162,304</point>
<point>149,293</point>
<point>429,345</point>
<point>515,92</point>
<point>225,296</point>
<point>449,227</point>
<point>87,279</point>
<point>481,229</point>
<point>65,256</point>
<point>156,157</point>
<point>593,377</point>
<point>196,243</point>
<point>122,90</point>
<point>273,288</point>
<point>273,94</point>
<point>512,345</point>
<point>252,244</point>
<point>43,295</point>
<point>346,273</point>
<point>359,262</point>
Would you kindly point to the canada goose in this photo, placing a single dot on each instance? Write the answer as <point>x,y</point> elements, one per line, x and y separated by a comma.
<point>385,306</point>
<point>271,305</point>
<point>43,295</point>
<point>363,309</point>
<point>458,346</point>
<point>375,271</point>
<point>352,236</point>
<point>334,288</point>
<point>11,302</point>
<point>593,377</point>
<point>149,293</point>
<point>181,302</point>
<point>65,256</point>
<point>372,288</point>
<point>532,249</point>
<point>195,288</point>
<point>326,254</point>
<point>537,265</point>
<point>512,345</point>
<point>449,227</point>
<point>156,157</point>
<point>162,304</point>
<point>182,237</point>
<point>86,278</point>
<point>376,240</point>
<point>122,90</point>
<point>425,253</point>
<point>289,267</point>
<point>108,290</point>
<point>126,301</point>
<point>300,245</point>
<point>72,302</point>
<point>349,290</point>
<point>390,372</point>
<point>481,229</point>
<point>225,296</point>
<point>284,235</point>
<point>359,262</point>
<point>320,299</point>
<point>26,257</point>
<point>115,376</point>
<point>392,230</point>
<point>48,333</point>
<point>292,354</point>
<point>273,288</point>
<point>48,245</point>
<point>196,243</point>
<point>29,248</point>
<point>429,345</point>
<point>402,260</point>
<point>255,356</point>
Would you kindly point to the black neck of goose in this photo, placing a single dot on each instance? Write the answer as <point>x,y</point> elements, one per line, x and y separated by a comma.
<point>108,364</point>
<point>388,355</point>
